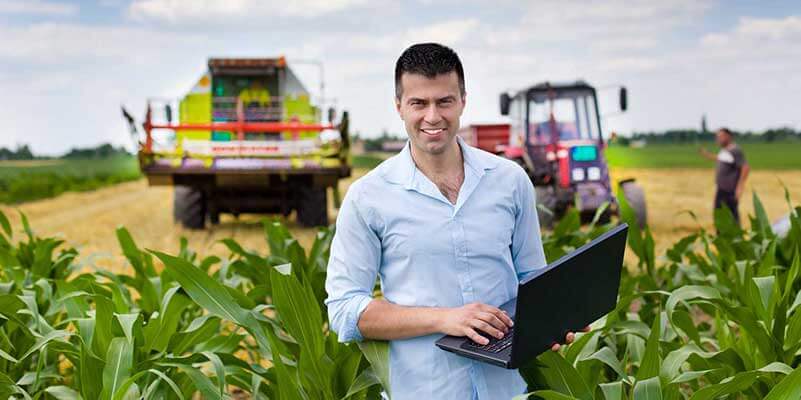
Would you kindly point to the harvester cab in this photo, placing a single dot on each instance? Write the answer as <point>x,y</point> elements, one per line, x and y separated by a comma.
<point>555,135</point>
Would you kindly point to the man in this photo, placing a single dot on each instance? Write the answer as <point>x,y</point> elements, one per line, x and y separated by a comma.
<point>450,230</point>
<point>731,172</point>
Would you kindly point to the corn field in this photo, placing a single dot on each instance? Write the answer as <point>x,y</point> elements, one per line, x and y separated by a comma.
<point>716,316</point>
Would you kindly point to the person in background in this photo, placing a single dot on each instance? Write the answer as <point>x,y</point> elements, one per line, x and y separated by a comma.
<point>731,172</point>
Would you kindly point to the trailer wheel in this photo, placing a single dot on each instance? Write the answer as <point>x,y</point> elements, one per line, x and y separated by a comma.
<point>635,196</point>
<point>189,207</point>
<point>312,207</point>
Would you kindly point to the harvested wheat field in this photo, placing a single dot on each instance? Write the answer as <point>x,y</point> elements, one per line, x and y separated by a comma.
<point>87,220</point>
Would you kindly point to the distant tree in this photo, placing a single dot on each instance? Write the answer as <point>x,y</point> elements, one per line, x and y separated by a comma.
<point>104,150</point>
<point>23,152</point>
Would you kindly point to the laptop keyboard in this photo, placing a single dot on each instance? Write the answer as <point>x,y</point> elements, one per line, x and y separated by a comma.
<point>494,345</point>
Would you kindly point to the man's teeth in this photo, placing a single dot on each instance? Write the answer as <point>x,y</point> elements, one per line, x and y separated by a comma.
<point>432,131</point>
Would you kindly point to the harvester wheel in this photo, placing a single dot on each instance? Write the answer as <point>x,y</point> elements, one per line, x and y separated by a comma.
<point>312,206</point>
<point>635,196</point>
<point>189,207</point>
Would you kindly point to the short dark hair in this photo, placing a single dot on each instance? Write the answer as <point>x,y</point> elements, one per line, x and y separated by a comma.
<point>726,131</point>
<point>429,60</point>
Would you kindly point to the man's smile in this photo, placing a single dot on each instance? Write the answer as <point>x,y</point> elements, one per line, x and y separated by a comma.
<point>433,132</point>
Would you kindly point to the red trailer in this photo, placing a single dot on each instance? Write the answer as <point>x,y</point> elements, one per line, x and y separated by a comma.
<point>493,138</point>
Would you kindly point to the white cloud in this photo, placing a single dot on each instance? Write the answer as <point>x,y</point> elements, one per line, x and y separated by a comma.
<point>220,12</point>
<point>37,7</point>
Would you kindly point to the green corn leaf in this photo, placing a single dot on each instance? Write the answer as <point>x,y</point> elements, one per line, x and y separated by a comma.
<point>608,357</point>
<point>104,314</point>
<point>788,388</point>
<point>377,353</point>
<point>585,344</point>
<point>299,310</point>
<point>211,295</point>
<point>127,323</point>
<point>134,255</point>
<point>362,382</point>
<point>219,370</point>
<point>288,386</point>
<point>5,225</point>
<point>682,321</point>
<point>44,340</point>
<point>119,361</point>
<point>648,389</point>
<point>562,377</point>
<point>761,218</point>
<point>90,373</point>
<point>691,376</point>
<point>158,332</point>
<point>612,391</point>
<point>545,395</point>
<point>649,367</point>
<point>199,330</point>
<point>63,393</point>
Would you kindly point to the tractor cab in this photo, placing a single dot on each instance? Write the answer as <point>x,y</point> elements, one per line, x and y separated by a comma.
<point>555,135</point>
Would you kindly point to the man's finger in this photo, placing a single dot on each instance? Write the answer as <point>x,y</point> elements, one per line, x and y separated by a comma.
<point>506,319</point>
<point>494,321</point>
<point>570,337</point>
<point>475,337</point>
<point>498,313</point>
<point>485,327</point>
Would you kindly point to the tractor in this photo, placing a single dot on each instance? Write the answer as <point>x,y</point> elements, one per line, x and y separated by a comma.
<point>555,135</point>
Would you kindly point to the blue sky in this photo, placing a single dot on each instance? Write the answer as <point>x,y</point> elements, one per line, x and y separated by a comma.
<point>65,67</point>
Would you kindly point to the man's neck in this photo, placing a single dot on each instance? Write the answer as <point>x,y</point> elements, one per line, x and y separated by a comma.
<point>436,165</point>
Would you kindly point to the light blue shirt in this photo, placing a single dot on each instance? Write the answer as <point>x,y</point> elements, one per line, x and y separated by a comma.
<point>395,224</point>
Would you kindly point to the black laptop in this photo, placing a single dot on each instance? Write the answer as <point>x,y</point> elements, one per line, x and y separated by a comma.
<point>567,295</point>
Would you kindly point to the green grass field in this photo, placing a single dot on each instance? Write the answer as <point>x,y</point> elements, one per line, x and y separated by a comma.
<point>37,179</point>
<point>784,155</point>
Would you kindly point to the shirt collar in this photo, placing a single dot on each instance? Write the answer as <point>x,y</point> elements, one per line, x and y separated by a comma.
<point>401,169</point>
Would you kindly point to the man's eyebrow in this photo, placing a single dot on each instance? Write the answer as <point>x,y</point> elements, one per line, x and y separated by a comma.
<point>449,97</point>
<point>413,99</point>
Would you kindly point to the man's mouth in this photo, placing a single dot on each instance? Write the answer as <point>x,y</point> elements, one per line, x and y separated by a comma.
<point>433,132</point>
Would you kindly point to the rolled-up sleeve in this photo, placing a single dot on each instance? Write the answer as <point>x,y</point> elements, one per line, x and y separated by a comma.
<point>528,255</point>
<point>352,268</point>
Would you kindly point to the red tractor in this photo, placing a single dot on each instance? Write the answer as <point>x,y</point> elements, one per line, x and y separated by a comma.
<point>555,135</point>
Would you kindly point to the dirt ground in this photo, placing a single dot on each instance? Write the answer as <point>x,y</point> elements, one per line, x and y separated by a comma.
<point>88,220</point>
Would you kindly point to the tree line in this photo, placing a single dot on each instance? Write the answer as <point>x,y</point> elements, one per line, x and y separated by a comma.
<point>23,152</point>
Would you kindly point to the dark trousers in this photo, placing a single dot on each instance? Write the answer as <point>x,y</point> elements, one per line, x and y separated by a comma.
<point>728,199</point>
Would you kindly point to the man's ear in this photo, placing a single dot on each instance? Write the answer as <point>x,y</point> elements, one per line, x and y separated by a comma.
<point>464,103</point>
<point>398,105</point>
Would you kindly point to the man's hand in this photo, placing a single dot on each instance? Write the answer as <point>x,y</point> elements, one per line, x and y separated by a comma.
<point>469,319</point>
<point>569,338</point>
<point>738,192</point>
<point>706,153</point>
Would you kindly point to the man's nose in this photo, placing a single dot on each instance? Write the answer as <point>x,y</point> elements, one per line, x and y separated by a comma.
<point>432,115</point>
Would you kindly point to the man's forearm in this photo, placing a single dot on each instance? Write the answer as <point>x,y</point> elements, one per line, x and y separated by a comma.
<point>386,321</point>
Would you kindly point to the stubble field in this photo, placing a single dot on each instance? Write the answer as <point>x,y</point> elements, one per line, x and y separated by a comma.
<point>87,220</point>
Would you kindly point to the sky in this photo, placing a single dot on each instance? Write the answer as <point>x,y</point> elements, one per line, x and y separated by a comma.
<point>66,67</point>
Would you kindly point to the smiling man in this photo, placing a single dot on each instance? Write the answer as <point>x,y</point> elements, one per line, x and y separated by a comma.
<point>449,229</point>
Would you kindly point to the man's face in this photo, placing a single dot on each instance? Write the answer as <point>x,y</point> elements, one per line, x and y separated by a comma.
<point>430,109</point>
<point>722,138</point>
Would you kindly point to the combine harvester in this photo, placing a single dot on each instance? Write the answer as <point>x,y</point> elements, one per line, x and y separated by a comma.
<point>555,135</point>
<point>247,140</point>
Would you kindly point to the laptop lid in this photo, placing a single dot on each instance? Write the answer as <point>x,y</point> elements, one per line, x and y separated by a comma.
<point>568,295</point>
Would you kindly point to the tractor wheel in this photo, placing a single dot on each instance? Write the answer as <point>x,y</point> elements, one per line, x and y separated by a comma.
<point>312,206</point>
<point>635,196</point>
<point>189,207</point>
